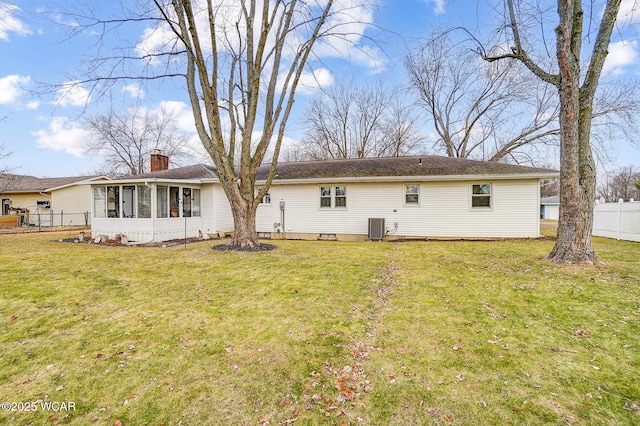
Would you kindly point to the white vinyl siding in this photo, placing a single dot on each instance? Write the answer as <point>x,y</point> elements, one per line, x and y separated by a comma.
<point>515,210</point>
<point>223,219</point>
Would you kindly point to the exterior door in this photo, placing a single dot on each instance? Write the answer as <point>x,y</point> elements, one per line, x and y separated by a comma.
<point>5,206</point>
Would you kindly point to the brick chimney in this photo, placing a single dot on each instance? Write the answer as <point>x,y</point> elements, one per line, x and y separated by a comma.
<point>159,161</point>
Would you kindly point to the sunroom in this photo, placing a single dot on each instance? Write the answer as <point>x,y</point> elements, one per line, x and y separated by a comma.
<point>146,211</point>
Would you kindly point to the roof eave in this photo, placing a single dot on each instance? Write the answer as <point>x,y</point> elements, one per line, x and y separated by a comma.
<point>437,178</point>
<point>81,182</point>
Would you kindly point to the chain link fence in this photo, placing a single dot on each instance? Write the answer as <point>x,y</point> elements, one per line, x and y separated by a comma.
<point>49,219</point>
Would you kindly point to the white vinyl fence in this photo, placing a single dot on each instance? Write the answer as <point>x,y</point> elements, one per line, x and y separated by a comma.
<point>617,220</point>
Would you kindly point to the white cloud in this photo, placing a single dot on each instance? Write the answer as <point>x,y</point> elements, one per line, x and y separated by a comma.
<point>629,13</point>
<point>63,134</point>
<point>9,23</point>
<point>621,53</point>
<point>438,6</point>
<point>11,88</point>
<point>348,25</point>
<point>348,22</point>
<point>181,112</point>
<point>310,82</point>
<point>33,105</point>
<point>154,41</point>
<point>72,94</point>
<point>134,90</point>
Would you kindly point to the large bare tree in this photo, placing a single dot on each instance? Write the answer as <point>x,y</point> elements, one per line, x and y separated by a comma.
<point>575,75</point>
<point>349,121</point>
<point>487,111</point>
<point>126,139</point>
<point>242,62</point>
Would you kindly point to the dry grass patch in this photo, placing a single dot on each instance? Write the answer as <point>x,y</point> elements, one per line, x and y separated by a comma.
<point>318,333</point>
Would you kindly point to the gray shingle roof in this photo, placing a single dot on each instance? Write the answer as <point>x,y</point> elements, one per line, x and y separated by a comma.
<point>196,171</point>
<point>417,166</point>
<point>22,183</point>
<point>426,165</point>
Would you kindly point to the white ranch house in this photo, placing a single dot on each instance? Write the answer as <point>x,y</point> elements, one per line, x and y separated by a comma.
<point>418,197</point>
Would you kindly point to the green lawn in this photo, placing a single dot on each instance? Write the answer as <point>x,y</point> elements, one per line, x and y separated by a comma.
<point>319,333</point>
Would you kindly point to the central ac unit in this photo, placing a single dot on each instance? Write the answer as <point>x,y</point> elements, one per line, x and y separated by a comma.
<point>376,228</point>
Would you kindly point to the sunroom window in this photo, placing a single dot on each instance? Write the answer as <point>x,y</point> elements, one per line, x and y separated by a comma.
<point>174,201</point>
<point>113,201</point>
<point>162,199</point>
<point>100,202</point>
<point>144,201</point>
<point>195,202</point>
<point>186,202</point>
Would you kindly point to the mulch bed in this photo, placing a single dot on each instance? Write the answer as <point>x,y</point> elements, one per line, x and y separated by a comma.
<point>229,247</point>
<point>163,244</point>
<point>170,243</point>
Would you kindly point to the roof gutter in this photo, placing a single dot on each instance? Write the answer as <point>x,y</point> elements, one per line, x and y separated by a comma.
<point>439,178</point>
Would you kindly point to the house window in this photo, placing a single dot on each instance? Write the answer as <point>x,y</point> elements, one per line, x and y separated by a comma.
<point>186,202</point>
<point>144,201</point>
<point>100,202</point>
<point>267,197</point>
<point>113,201</point>
<point>43,204</point>
<point>195,202</point>
<point>481,195</point>
<point>325,196</point>
<point>341,196</point>
<point>174,201</point>
<point>162,200</point>
<point>412,194</point>
<point>128,201</point>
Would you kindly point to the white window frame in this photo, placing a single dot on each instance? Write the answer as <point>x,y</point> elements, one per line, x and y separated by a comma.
<point>323,196</point>
<point>333,196</point>
<point>473,196</point>
<point>405,188</point>
<point>266,198</point>
<point>336,196</point>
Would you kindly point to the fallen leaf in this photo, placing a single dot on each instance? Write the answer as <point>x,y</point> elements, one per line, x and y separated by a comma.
<point>285,401</point>
<point>448,418</point>
<point>349,394</point>
<point>265,418</point>
<point>432,411</point>
<point>117,423</point>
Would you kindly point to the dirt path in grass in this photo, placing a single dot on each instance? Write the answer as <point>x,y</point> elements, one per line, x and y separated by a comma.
<point>340,390</point>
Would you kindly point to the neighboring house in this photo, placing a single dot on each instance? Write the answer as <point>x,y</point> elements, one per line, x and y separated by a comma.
<point>30,199</point>
<point>550,207</point>
<point>418,197</point>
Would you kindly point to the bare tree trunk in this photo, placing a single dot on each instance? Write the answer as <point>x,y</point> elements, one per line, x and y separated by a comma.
<point>244,225</point>
<point>577,167</point>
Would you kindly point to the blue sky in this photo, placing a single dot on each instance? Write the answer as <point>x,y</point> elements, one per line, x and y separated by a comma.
<point>45,131</point>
